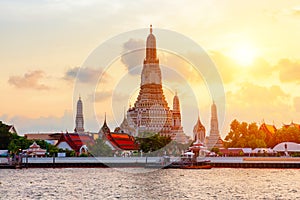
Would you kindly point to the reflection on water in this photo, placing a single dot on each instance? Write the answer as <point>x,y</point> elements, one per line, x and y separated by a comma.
<point>108,183</point>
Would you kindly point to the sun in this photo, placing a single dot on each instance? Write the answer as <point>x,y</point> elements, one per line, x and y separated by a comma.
<point>243,54</point>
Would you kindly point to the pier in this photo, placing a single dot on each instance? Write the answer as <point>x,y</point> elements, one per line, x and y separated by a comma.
<point>141,162</point>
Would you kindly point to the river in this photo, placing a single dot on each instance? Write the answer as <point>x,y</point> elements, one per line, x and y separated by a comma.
<point>108,183</point>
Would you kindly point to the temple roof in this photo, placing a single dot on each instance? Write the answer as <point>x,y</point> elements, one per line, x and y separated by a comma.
<point>104,129</point>
<point>199,126</point>
<point>34,145</point>
<point>292,124</point>
<point>269,128</point>
<point>122,141</point>
<point>75,140</point>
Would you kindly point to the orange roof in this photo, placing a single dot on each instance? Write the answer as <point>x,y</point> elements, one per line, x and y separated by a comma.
<point>292,125</point>
<point>122,141</point>
<point>75,140</point>
<point>268,128</point>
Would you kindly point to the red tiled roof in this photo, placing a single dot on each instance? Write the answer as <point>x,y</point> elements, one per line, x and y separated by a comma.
<point>269,129</point>
<point>122,141</point>
<point>75,140</point>
<point>292,125</point>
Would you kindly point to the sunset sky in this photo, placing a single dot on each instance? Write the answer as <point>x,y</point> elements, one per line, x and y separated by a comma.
<point>254,44</point>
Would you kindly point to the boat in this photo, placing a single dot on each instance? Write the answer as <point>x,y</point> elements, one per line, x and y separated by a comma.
<point>207,166</point>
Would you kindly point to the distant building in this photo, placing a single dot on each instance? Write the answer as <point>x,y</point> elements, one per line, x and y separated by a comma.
<point>199,133</point>
<point>269,130</point>
<point>177,130</point>
<point>125,128</point>
<point>79,118</point>
<point>214,139</point>
<point>51,138</point>
<point>74,141</point>
<point>117,140</point>
<point>292,124</point>
<point>35,150</point>
<point>151,112</point>
<point>287,148</point>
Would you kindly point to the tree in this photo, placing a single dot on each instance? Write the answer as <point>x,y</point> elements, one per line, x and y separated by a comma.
<point>286,134</point>
<point>153,142</point>
<point>100,148</point>
<point>5,136</point>
<point>18,143</point>
<point>242,135</point>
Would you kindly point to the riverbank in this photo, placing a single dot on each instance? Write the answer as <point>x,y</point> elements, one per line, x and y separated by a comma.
<point>141,162</point>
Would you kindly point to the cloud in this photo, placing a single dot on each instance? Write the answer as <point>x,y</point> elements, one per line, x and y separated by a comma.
<point>134,55</point>
<point>30,80</point>
<point>297,103</point>
<point>250,95</point>
<point>253,102</point>
<point>84,75</point>
<point>46,124</point>
<point>26,124</point>
<point>228,69</point>
<point>99,96</point>
<point>260,69</point>
<point>296,11</point>
<point>289,70</point>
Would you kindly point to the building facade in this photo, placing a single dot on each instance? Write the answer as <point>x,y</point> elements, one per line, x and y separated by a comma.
<point>79,122</point>
<point>199,133</point>
<point>214,139</point>
<point>151,112</point>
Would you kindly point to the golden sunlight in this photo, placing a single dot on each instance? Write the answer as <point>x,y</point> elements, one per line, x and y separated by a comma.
<point>243,54</point>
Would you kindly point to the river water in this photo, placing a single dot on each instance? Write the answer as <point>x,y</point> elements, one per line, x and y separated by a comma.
<point>108,183</point>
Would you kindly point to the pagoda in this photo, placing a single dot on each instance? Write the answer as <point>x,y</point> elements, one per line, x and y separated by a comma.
<point>150,112</point>
<point>79,118</point>
<point>214,139</point>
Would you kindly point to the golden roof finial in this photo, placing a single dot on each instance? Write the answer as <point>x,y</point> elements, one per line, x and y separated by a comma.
<point>150,28</point>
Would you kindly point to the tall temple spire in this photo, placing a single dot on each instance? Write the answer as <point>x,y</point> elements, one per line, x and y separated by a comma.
<point>150,112</point>
<point>79,117</point>
<point>104,129</point>
<point>151,73</point>
<point>214,139</point>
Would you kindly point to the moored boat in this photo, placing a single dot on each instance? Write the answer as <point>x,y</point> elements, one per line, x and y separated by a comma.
<point>207,166</point>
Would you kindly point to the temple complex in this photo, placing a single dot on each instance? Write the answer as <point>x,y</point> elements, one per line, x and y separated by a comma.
<point>151,112</point>
<point>214,139</point>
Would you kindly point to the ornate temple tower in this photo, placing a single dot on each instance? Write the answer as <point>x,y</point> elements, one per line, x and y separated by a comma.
<point>104,129</point>
<point>150,112</point>
<point>199,132</point>
<point>126,128</point>
<point>79,118</point>
<point>177,130</point>
<point>176,116</point>
<point>214,138</point>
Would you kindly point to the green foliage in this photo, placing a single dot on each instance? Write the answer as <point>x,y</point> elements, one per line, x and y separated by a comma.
<point>216,150</point>
<point>153,143</point>
<point>83,155</point>
<point>100,148</point>
<point>243,135</point>
<point>18,143</point>
<point>5,136</point>
<point>290,134</point>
